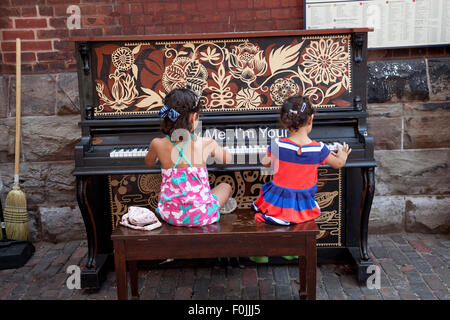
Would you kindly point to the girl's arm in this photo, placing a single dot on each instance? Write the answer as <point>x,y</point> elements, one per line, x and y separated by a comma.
<point>151,158</point>
<point>338,160</point>
<point>218,152</point>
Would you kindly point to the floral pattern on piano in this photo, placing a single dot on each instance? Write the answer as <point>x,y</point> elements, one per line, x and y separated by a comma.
<point>230,74</point>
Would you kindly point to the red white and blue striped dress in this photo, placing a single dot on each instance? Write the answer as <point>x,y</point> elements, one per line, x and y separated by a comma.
<point>289,197</point>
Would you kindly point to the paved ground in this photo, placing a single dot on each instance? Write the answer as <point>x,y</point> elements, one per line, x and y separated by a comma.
<point>413,266</point>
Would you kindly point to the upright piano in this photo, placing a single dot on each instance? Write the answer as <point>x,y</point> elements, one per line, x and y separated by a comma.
<point>243,79</point>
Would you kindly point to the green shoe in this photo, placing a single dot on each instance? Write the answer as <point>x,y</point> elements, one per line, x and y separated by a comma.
<point>290,257</point>
<point>259,259</point>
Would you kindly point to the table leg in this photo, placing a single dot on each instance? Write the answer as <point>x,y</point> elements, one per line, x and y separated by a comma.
<point>311,266</point>
<point>133,279</point>
<point>120,269</point>
<point>302,277</point>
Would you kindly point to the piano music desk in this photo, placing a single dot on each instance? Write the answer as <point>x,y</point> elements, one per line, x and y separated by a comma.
<point>235,235</point>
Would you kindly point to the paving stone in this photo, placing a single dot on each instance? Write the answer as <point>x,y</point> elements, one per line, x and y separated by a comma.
<point>217,293</point>
<point>280,275</point>
<point>283,292</point>
<point>434,282</point>
<point>379,252</point>
<point>249,277</point>
<point>250,293</point>
<point>399,257</point>
<point>183,293</point>
<point>264,271</point>
<point>266,289</point>
<point>422,290</point>
<point>398,239</point>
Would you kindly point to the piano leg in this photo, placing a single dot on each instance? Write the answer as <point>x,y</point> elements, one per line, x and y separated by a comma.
<point>94,272</point>
<point>360,254</point>
<point>369,186</point>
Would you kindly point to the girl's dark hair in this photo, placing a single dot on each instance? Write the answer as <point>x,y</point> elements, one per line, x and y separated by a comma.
<point>185,102</point>
<point>295,112</point>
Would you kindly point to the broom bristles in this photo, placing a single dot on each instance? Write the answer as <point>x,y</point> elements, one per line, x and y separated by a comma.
<point>15,214</point>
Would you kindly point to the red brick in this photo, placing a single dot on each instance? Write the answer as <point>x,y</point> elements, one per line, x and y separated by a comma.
<point>270,4</point>
<point>58,23</point>
<point>65,45</point>
<point>29,12</point>
<point>419,246</point>
<point>10,12</point>
<point>156,29</point>
<point>239,4</point>
<point>281,13</point>
<point>69,2</point>
<point>46,10</point>
<point>31,23</point>
<point>134,30</point>
<point>25,57</point>
<point>191,7</point>
<point>136,8</point>
<point>105,10</point>
<point>262,14</point>
<point>112,31</point>
<point>53,34</point>
<point>13,34</point>
<point>151,8</point>
<point>124,21</point>
<point>206,5</point>
<point>6,23</point>
<point>123,8</point>
<point>54,56</point>
<point>144,20</point>
<point>97,21</point>
<point>7,68</point>
<point>243,15</point>
<point>22,3</point>
<point>28,46</point>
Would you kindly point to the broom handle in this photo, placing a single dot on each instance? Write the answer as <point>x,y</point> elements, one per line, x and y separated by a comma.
<point>18,111</point>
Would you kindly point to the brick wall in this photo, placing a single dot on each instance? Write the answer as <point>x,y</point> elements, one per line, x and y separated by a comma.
<point>42,24</point>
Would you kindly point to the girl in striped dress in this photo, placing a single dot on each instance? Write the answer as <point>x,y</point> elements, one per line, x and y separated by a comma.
<point>289,197</point>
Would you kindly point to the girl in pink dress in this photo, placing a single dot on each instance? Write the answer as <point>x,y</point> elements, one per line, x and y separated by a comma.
<point>186,197</point>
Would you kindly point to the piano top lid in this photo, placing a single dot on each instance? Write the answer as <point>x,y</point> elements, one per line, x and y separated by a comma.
<point>223,35</point>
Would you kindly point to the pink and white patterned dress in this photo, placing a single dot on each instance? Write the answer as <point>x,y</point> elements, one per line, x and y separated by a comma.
<point>186,198</point>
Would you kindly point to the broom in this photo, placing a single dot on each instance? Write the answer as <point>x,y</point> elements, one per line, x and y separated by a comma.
<point>15,211</point>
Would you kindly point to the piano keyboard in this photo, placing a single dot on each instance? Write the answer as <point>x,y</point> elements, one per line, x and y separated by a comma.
<point>140,152</point>
<point>128,153</point>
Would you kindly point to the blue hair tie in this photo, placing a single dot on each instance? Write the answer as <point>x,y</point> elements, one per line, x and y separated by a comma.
<point>168,112</point>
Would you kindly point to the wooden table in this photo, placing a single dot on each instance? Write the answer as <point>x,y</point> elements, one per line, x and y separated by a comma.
<point>235,235</point>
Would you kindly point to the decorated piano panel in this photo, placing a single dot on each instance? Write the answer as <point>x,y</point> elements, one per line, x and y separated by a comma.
<point>233,75</point>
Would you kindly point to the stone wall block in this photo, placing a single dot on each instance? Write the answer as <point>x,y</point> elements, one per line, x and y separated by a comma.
<point>38,95</point>
<point>397,80</point>
<point>412,172</point>
<point>439,73</point>
<point>49,138</point>
<point>4,95</point>
<point>429,214</point>
<point>62,224</point>
<point>67,94</point>
<point>387,214</point>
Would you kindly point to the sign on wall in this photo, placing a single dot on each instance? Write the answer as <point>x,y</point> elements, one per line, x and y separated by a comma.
<point>396,23</point>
